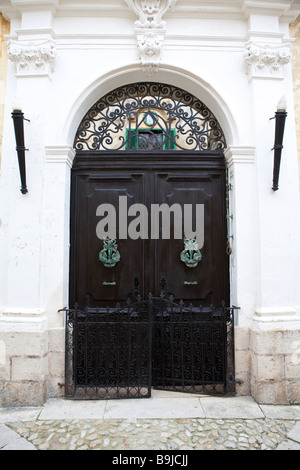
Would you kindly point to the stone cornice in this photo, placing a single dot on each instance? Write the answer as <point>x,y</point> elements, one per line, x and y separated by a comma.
<point>14,8</point>
<point>265,7</point>
<point>288,10</point>
<point>29,5</point>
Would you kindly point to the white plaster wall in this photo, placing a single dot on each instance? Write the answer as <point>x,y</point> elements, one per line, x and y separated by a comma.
<point>203,56</point>
<point>197,58</point>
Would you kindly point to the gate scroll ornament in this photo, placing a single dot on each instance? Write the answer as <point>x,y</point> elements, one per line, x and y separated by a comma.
<point>115,121</point>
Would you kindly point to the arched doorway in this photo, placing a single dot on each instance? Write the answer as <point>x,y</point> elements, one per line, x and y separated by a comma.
<point>148,216</point>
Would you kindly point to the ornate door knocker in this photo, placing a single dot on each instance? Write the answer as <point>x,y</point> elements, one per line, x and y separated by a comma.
<point>110,255</point>
<point>191,255</point>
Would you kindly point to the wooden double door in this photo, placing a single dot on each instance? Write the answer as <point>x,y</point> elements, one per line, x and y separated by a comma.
<point>148,264</point>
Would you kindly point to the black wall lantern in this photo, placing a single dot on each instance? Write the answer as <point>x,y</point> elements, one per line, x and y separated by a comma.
<point>18,118</point>
<point>280,117</point>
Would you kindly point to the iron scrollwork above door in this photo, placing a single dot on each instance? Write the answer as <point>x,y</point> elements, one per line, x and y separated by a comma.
<point>117,120</point>
<point>110,254</point>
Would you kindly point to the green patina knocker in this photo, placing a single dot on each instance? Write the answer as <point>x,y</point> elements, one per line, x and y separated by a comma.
<point>191,255</point>
<point>110,255</point>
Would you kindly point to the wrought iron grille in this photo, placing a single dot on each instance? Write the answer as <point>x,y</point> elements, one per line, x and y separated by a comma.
<point>149,116</point>
<point>122,352</point>
<point>193,349</point>
<point>108,352</point>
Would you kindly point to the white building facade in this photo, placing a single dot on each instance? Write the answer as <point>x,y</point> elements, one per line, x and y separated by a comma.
<point>235,56</point>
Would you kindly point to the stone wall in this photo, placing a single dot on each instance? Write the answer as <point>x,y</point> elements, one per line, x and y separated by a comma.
<point>295,33</point>
<point>23,363</point>
<point>4,29</point>
<point>267,363</point>
<point>57,77</point>
<point>275,365</point>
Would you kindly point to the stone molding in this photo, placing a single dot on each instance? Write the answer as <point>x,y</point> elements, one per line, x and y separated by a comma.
<point>59,154</point>
<point>150,30</point>
<point>240,155</point>
<point>32,58</point>
<point>274,315</point>
<point>267,61</point>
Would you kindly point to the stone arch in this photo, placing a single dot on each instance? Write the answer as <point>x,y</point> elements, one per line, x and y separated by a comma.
<point>174,77</point>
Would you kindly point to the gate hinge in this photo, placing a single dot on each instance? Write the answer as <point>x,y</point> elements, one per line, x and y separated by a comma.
<point>61,385</point>
<point>65,309</point>
<point>238,382</point>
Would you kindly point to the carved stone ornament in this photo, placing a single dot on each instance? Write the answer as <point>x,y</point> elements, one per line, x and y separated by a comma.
<point>150,47</point>
<point>268,60</point>
<point>150,30</point>
<point>32,58</point>
<point>150,12</point>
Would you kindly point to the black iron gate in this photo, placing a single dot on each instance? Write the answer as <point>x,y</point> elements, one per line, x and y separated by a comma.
<point>122,352</point>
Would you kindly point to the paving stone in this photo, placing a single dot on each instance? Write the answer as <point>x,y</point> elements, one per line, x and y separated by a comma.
<point>19,414</point>
<point>10,440</point>
<point>288,445</point>
<point>294,434</point>
<point>281,411</point>
<point>163,407</point>
<point>237,407</point>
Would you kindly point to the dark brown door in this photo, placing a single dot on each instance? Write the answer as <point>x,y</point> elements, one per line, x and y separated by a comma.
<point>145,264</point>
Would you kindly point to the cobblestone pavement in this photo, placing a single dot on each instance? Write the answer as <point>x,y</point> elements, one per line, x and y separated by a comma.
<point>145,434</point>
<point>155,434</point>
<point>166,422</point>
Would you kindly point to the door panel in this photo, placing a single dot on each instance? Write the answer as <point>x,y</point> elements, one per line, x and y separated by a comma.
<point>147,179</point>
<point>98,285</point>
<point>205,282</point>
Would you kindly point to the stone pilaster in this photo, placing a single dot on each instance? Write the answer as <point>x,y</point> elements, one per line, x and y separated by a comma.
<point>295,33</point>
<point>4,29</point>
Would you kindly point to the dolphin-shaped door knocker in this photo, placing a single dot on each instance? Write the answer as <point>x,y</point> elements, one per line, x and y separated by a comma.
<point>191,255</point>
<point>110,255</point>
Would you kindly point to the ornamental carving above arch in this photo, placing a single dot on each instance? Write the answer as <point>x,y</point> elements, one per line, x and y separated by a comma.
<point>150,12</point>
<point>150,30</point>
